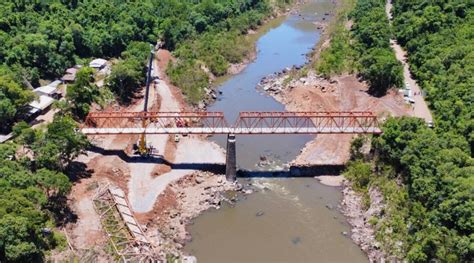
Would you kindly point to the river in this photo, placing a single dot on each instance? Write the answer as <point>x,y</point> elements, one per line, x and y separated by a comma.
<point>286,219</point>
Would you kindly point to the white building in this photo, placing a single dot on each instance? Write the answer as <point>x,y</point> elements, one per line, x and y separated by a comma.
<point>55,83</point>
<point>98,63</point>
<point>41,104</point>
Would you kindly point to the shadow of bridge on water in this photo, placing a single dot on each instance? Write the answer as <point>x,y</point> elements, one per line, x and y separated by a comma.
<point>219,168</point>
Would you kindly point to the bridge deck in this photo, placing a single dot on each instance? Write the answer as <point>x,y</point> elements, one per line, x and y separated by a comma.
<point>240,131</point>
<point>246,123</point>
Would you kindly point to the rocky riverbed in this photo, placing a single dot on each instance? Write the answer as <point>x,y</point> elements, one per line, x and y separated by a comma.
<point>281,83</point>
<point>311,92</point>
<point>179,204</point>
<point>363,232</point>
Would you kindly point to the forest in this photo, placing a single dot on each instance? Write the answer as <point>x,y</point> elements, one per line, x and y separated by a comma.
<point>33,188</point>
<point>427,175</point>
<point>364,49</point>
<point>40,39</point>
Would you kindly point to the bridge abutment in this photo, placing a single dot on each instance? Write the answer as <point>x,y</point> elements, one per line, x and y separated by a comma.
<point>231,159</point>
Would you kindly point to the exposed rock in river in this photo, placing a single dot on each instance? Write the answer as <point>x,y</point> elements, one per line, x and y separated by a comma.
<point>363,233</point>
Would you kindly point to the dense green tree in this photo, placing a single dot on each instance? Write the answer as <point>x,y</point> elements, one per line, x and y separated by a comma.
<point>371,27</point>
<point>24,134</point>
<point>365,49</point>
<point>53,183</point>
<point>359,172</point>
<point>339,56</point>
<point>126,78</point>
<point>15,239</point>
<point>191,78</point>
<point>60,144</point>
<point>7,150</point>
<point>137,50</point>
<point>47,36</point>
<point>371,32</point>
<point>381,70</point>
<point>83,92</point>
<point>13,97</point>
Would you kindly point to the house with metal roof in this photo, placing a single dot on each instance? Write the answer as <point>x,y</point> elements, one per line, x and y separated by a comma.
<point>40,104</point>
<point>70,75</point>
<point>50,91</point>
<point>98,63</point>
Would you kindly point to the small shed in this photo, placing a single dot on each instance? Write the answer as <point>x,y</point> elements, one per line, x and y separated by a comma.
<point>68,78</point>
<point>70,75</point>
<point>72,71</point>
<point>41,104</point>
<point>55,83</point>
<point>98,63</point>
<point>49,91</point>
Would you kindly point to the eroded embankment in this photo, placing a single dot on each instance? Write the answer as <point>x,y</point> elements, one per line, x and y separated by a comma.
<point>341,93</point>
<point>310,92</point>
<point>111,161</point>
<point>147,183</point>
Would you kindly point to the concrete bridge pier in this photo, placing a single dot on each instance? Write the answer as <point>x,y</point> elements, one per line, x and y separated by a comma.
<point>231,159</point>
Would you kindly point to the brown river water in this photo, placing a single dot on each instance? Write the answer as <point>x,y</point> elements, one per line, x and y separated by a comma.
<point>285,219</point>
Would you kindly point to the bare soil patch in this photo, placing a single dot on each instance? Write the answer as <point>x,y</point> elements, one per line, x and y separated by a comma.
<point>182,201</point>
<point>342,93</point>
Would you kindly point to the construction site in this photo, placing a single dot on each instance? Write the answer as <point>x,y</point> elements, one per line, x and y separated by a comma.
<point>146,185</point>
<point>152,169</point>
<point>242,131</point>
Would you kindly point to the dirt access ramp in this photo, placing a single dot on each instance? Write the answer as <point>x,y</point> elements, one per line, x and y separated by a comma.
<point>142,180</point>
<point>342,93</point>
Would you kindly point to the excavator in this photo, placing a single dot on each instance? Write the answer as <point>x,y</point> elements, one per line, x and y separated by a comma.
<point>143,148</point>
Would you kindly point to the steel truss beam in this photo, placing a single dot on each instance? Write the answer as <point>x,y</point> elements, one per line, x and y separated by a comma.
<point>215,123</point>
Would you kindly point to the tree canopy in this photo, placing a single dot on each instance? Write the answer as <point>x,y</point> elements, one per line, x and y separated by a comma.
<point>33,187</point>
<point>82,93</point>
<point>13,97</point>
<point>364,49</point>
<point>46,37</point>
<point>427,174</point>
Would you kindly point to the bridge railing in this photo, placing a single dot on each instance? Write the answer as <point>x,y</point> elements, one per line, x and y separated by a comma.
<point>306,122</point>
<point>215,123</point>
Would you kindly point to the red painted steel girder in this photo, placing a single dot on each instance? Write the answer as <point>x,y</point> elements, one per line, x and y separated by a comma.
<point>105,119</point>
<point>246,123</point>
<point>143,114</point>
<point>277,114</point>
<point>300,122</point>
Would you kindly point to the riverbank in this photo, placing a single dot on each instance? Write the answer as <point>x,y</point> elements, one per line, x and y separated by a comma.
<point>182,201</point>
<point>274,20</point>
<point>360,218</point>
<point>340,93</point>
<point>302,89</point>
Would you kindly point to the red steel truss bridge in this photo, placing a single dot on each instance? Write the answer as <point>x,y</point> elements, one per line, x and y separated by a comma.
<point>247,123</point>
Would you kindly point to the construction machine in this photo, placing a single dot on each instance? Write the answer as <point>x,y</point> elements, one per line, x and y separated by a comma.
<point>142,147</point>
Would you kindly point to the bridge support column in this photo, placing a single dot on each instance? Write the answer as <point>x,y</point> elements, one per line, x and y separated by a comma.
<point>231,159</point>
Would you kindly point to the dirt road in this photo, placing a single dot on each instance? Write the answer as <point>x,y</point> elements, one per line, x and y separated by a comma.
<point>142,179</point>
<point>420,108</point>
<point>342,93</point>
<point>144,186</point>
